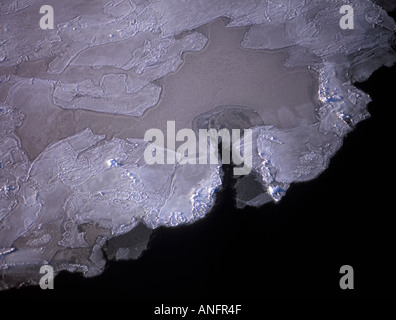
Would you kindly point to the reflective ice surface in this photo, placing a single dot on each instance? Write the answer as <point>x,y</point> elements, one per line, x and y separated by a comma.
<point>75,103</point>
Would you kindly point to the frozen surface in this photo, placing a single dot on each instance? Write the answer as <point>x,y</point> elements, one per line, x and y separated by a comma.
<point>75,102</point>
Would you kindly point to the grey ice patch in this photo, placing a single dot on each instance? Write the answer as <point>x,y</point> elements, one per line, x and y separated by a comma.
<point>228,117</point>
<point>111,96</point>
<point>129,245</point>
